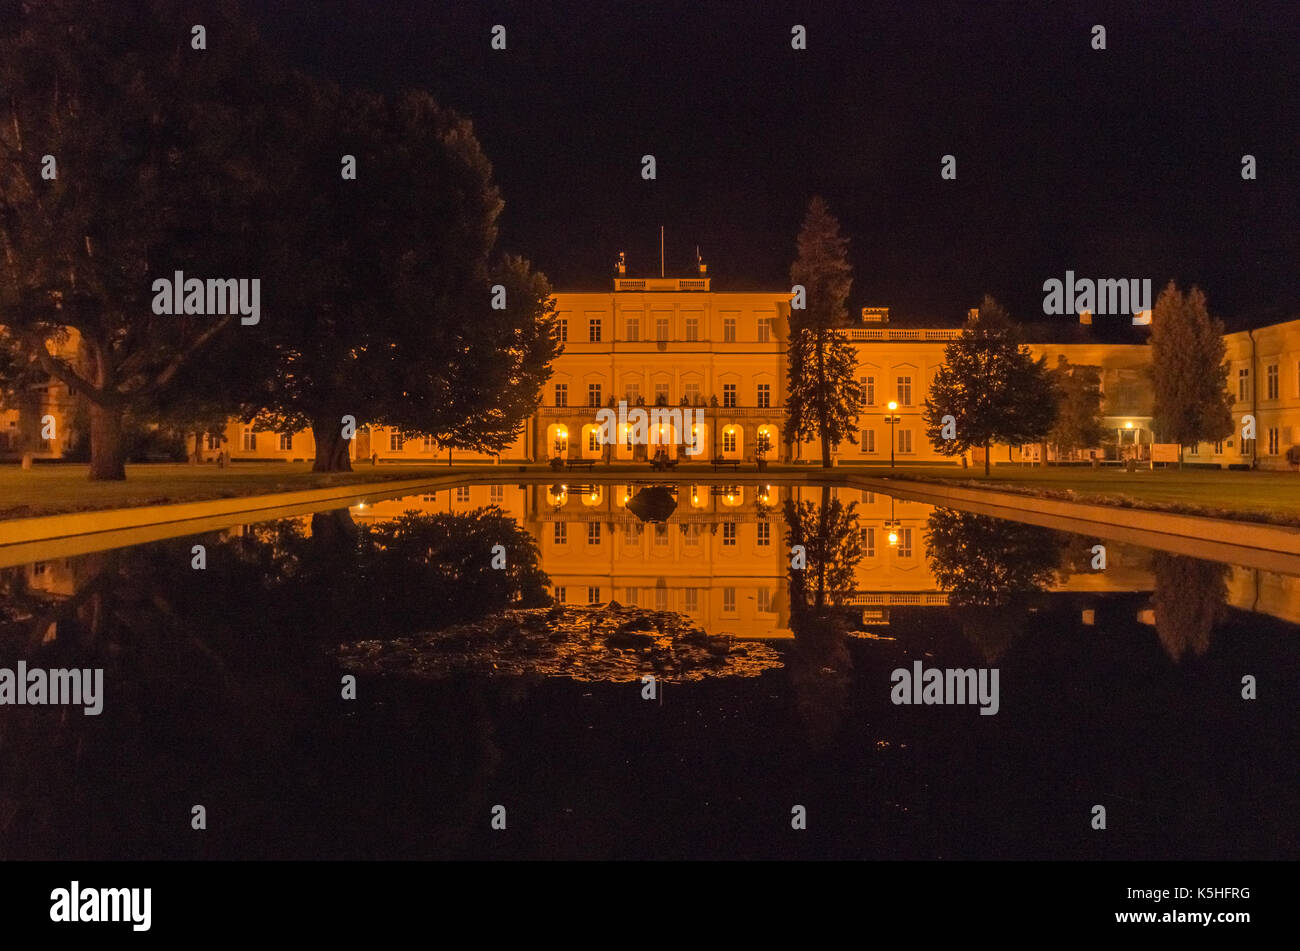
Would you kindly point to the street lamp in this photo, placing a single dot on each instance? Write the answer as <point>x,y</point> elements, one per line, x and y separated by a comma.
<point>892,419</point>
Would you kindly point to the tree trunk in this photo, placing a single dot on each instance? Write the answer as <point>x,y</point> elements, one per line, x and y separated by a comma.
<point>823,546</point>
<point>822,409</point>
<point>986,459</point>
<point>107,454</point>
<point>331,447</point>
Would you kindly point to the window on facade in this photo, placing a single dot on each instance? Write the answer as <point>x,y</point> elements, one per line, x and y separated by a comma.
<point>559,594</point>
<point>764,329</point>
<point>395,441</point>
<point>629,597</point>
<point>214,441</point>
<point>561,394</point>
<point>561,533</point>
<point>904,440</point>
<point>593,394</point>
<point>661,535</point>
<point>1270,382</point>
<point>593,439</point>
<point>633,329</point>
<point>661,328</point>
<point>593,595</point>
<point>692,394</point>
<point>728,329</point>
<point>1273,441</point>
<point>728,394</point>
<point>564,336</point>
<point>631,534</point>
<point>593,330</point>
<point>661,599</point>
<point>693,533</point>
<point>868,390</point>
<point>869,542</point>
<point>764,534</point>
<point>904,543</point>
<point>462,493</point>
<point>904,391</point>
<point>286,442</point>
<point>729,440</point>
<point>497,493</point>
<point>1218,448</point>
<point>633,393</point>
<point>430,444</point>
<point>729,600</point>
<point>661,394</point>
<point>692,599</point>
<point>692,328</point>
<point>1243,385</point>
<point>765,600</point>
<point>593,533</point>
<point>250,440</point>
<point>765,394</point>
<point>867,440</point>
<point>729,534</point>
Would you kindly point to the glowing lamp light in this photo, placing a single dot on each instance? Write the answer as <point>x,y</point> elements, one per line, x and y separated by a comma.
<point>893,538</point>
<point>1128,425</point>
<point>892,406</point>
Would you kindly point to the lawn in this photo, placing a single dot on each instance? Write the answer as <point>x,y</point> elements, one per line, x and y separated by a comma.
<point>1257,496</point>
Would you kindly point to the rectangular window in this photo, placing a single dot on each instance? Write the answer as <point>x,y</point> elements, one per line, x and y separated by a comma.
<point>765,395</point>
<point>430,444</point>
<point>692,328</point>
<point>286,442</point>
<point>904,440</point>
<point>1243,385</point>
<point>250,440</point>
<point>765,600</point>
<point>728,329</point>
<point>868,390</point>
<point>729,534</point>
<point>564,337</point>
<point>693,394</point>
<point>631,534</point>
<point>593,394</point>
<point>661,328</point>
<point>661,394</point>
<point>214,441</point>
<point>692,599</point>
<point>593,533</point>
<point>729,440</point>
<point>561,394</point>
<point>395,442</point>
<point>633,393</point>
<point>629,597</point>
<point>593,330</point>
<point>1218,448</point>
<point>869,543</point>
<point>497,493</point>
<point>661,599</point>
<point>728,600</point>
<point>593,595</point>
<point>868,498</point>
<point>1273,441</point>
<point>764,537</point>
<point>764,329</point>
<point>728,394</point>
<point>904,543</point>
<point>593,439</point>
<point>561,533</point>
<point>693,533</point>
<point>661,535</point>
<point>1270,382</point>
<point>867,441</point>
<point>904,391</point>
<point>559,595</point>
<point>462,493</point>
<point>633,329</point>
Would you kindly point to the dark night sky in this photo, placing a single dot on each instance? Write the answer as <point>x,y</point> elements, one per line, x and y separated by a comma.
<point>1123,163</point>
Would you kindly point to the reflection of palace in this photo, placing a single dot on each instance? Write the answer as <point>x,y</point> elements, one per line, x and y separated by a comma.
<point>670,343</point>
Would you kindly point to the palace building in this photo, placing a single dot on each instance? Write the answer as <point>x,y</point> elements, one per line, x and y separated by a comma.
<point>674,343</point>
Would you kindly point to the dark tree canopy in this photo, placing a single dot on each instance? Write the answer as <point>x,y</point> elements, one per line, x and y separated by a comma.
<point>1078,420</point>
<point>992,386</point>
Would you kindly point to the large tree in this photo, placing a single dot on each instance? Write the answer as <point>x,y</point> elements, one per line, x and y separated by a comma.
<point>1078,419</point>
<point>991,386</point>
<point>823,396</point>
<point>1188,370</point>
<point>394,310</point>
<point>126,154</point>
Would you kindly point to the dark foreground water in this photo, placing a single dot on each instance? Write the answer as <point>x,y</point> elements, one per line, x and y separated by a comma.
<point>1120,687</point>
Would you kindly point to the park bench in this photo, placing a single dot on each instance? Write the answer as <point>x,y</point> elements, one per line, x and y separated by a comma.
<point>579,464</point>
<point>663,464</point>
<point>725,463</point>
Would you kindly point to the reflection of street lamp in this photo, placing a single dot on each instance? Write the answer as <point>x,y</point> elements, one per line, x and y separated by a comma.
<point>892,419</point>
<point>891,525</point>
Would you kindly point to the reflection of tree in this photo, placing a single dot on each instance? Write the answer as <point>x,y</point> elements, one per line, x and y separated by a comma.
<point>984,561</point>
<point>1189,600</point>
<point>829,534</point>
<point>819,662</point>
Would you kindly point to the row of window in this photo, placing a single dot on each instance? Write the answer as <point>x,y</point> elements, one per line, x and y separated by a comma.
<point>764,329</point>
<point>1272,382</point>
<point>690,392</point>
<point>632,533</point>
<point>765,602</point>
<point>867,440</point>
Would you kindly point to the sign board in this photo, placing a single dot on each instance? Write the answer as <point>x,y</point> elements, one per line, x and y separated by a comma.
<point>1164,452</point>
